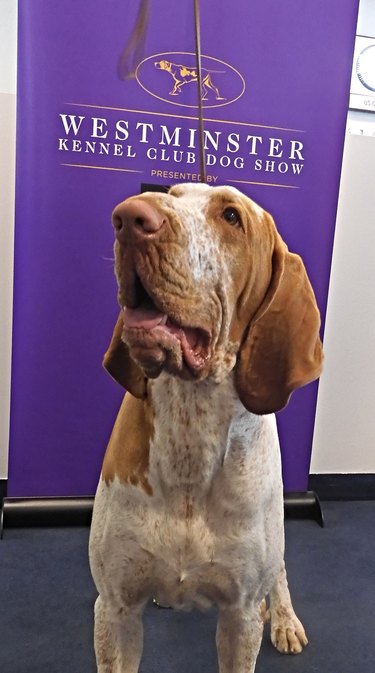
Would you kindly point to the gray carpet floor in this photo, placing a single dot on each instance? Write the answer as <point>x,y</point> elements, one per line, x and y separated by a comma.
<point>47,596</point>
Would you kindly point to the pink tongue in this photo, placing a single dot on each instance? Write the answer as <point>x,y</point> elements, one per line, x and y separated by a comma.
<point>148,318</point>
<point>143,317</point>
<point>193,353</point>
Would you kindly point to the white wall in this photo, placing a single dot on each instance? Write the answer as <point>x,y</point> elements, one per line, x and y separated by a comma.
<point>344,437</point>
<point>366,18</point>
<point>8,28</point>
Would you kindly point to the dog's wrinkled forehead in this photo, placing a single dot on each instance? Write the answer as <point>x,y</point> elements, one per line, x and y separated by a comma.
<point>199,208</point>
<point>201,196</point>
<point>190,190</point>
<point>191,203</point>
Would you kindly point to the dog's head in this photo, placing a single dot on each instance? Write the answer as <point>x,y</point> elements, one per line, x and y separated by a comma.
<point>163,65</point>
<point>206,286</point>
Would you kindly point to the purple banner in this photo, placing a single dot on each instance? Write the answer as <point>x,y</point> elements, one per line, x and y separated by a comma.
<point>275,93</point>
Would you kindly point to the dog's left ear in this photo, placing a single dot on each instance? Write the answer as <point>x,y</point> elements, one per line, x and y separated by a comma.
<point>121,366</point>
<point>281,349</point>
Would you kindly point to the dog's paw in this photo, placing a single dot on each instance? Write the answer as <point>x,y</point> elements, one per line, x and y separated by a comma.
<point>287,633</point>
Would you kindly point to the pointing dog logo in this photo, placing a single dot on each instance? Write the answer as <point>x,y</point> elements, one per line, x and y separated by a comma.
<point>182,74</point>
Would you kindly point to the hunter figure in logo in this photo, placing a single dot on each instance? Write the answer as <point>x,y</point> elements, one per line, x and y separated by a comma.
<point>182,74</point>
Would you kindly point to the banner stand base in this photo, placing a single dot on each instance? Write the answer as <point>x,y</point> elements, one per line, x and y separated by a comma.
<point>49,512</point>
<point>303,505</point>
<point>71,511</point>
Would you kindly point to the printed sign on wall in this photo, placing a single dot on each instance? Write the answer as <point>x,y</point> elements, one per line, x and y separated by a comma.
<point>274,93</point>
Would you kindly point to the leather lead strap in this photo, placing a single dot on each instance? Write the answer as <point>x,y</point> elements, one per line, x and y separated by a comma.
<point>132,53</point>
<point>203,176</point>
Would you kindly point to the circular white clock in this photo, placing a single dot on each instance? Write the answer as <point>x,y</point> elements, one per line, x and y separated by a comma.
<point>365,67</point>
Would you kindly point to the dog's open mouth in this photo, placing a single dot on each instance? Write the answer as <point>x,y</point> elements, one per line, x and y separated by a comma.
<point>160,328</point>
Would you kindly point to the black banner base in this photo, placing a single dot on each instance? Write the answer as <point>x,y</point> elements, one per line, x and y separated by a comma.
<point>71,511</point>
<point>29,512</point>
<point>303,505</point>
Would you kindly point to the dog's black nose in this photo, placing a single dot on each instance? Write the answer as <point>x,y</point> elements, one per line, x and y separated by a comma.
<point>138,216</point>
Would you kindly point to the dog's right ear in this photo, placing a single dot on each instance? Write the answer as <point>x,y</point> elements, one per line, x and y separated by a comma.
<point>121,366</point>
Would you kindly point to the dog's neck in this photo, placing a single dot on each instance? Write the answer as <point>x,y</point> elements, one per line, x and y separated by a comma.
<point>192,429</point>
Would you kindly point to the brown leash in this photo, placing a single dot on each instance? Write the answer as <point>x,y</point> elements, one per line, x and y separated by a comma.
<point>133,52</point>
<point>203,176</point>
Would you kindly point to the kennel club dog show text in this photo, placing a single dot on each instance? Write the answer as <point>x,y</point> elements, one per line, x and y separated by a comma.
<point>129,142</point>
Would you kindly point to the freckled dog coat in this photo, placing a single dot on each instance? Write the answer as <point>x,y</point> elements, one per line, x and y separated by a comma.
<point>218,326</point>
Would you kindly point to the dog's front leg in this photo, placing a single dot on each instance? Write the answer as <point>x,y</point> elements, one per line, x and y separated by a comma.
<point>238,638</point>
<point>118,639</point>
<point>287,632</point>
<point>176,87</point>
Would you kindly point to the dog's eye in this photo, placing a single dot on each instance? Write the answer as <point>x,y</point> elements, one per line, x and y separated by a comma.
<point>231,216</point>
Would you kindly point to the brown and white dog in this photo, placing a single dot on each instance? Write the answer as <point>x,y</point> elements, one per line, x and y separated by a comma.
<point>218,326</point>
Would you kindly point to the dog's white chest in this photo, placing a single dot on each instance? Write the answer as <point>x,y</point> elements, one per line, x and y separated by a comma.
<point>199,538</point>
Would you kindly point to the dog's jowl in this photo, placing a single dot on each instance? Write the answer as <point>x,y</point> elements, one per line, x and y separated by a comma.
<point>218,325</point>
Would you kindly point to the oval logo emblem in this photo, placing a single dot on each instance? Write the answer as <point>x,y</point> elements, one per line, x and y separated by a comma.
<point>172,77</point>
